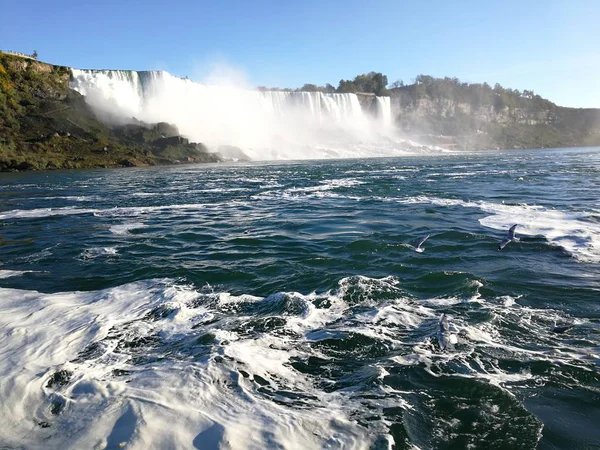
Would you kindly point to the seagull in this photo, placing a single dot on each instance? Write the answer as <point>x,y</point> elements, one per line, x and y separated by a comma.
<point>418,248</point>
<point>560,328</point>
<point>509,237</point>
<point>446,333</point>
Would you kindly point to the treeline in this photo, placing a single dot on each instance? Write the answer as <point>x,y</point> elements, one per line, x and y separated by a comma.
<point>372,83</point>
<point>425,86</point>
<point>474,94</point>
<point>497,117</point>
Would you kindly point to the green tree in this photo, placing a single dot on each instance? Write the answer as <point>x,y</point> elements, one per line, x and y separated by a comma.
<point>372,82</point>
<point>346,86</point>
<point>309,88</point>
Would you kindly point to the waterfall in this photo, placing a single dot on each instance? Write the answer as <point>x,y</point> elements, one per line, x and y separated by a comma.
<point>266,124</point>
<point>384,110</point>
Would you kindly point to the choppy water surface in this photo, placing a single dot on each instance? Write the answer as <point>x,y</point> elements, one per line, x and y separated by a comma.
<point>282,306</point>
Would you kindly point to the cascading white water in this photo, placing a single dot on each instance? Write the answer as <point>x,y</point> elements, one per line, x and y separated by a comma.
<point>265,124</point>
<point>384,110</point>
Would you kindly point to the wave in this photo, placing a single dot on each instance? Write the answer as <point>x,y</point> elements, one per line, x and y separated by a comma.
<point>117,211</point>
<point>13,273</point>
<point>125,228</point>
<point>44,212</point>
<point>161,363</point>
<point>98,252</point>
<point>112,378</point>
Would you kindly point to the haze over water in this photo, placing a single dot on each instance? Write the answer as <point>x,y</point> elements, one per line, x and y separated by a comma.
<point>279,305</point>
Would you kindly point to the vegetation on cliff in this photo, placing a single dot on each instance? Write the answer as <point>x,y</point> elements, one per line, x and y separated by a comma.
<point>46,125</point>
<point>372,82</point>
<point>474,94</point>
<point>472,115</point>
<point>369,83</point>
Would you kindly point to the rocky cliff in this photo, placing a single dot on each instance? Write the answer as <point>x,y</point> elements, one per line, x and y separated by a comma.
<point>476,116</point>
<point>46,125</point>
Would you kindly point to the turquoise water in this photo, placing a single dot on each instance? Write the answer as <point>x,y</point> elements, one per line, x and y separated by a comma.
<point>294,288</point>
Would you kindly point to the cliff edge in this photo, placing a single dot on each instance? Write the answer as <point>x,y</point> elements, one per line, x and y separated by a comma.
<point>464,116</point>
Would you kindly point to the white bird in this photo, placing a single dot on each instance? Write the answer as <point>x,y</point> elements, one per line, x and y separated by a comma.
<point>446,333</point>
<point>418,248</point>
<point>509,237</point>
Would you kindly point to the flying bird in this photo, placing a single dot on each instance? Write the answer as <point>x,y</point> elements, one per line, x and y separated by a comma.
<point>418,248</point>
<point>509,237</point>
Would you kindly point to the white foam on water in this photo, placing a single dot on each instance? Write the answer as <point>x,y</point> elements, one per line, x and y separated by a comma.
<point>117,211</point>
<point>41,332</point>
<point>178,402</point>
<point>77,198</point>
<point>43,212</point>
<point>326,185</point>
<point>454,174</point>
<point>480,345</point>
<point>571,231</point>
<point>134,211</point>
<point>217,190</point>
<point>170,389</point>
<point>14,273</point>
<point>302,194</point>
<point>443,301</point>
<point>125,228</point>
<point>148,194</point>
<point>98,252</point>
<point>399,314</point>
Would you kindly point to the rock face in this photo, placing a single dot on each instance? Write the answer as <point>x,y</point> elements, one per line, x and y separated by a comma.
<point>487,113</point>
<point>45,125</point>
<point>432,118</point>
<point>163,143</point>
<point>166,129</point>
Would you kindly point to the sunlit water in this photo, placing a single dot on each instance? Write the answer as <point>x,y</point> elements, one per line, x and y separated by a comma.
<point>282,305</point>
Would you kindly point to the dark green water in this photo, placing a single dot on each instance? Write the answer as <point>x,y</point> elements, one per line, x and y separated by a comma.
<point>295,289</point>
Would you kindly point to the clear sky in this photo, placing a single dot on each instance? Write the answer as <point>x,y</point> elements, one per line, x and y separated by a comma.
<point>551,47</point>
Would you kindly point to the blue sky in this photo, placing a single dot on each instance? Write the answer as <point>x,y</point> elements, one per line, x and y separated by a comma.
<point>551,47</point>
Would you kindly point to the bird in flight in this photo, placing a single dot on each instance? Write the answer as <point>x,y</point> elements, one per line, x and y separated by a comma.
<point>418,248</point>
<point>509,237</point>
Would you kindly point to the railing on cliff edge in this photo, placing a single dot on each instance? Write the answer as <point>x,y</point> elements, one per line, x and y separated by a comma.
<point>19,54</point>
